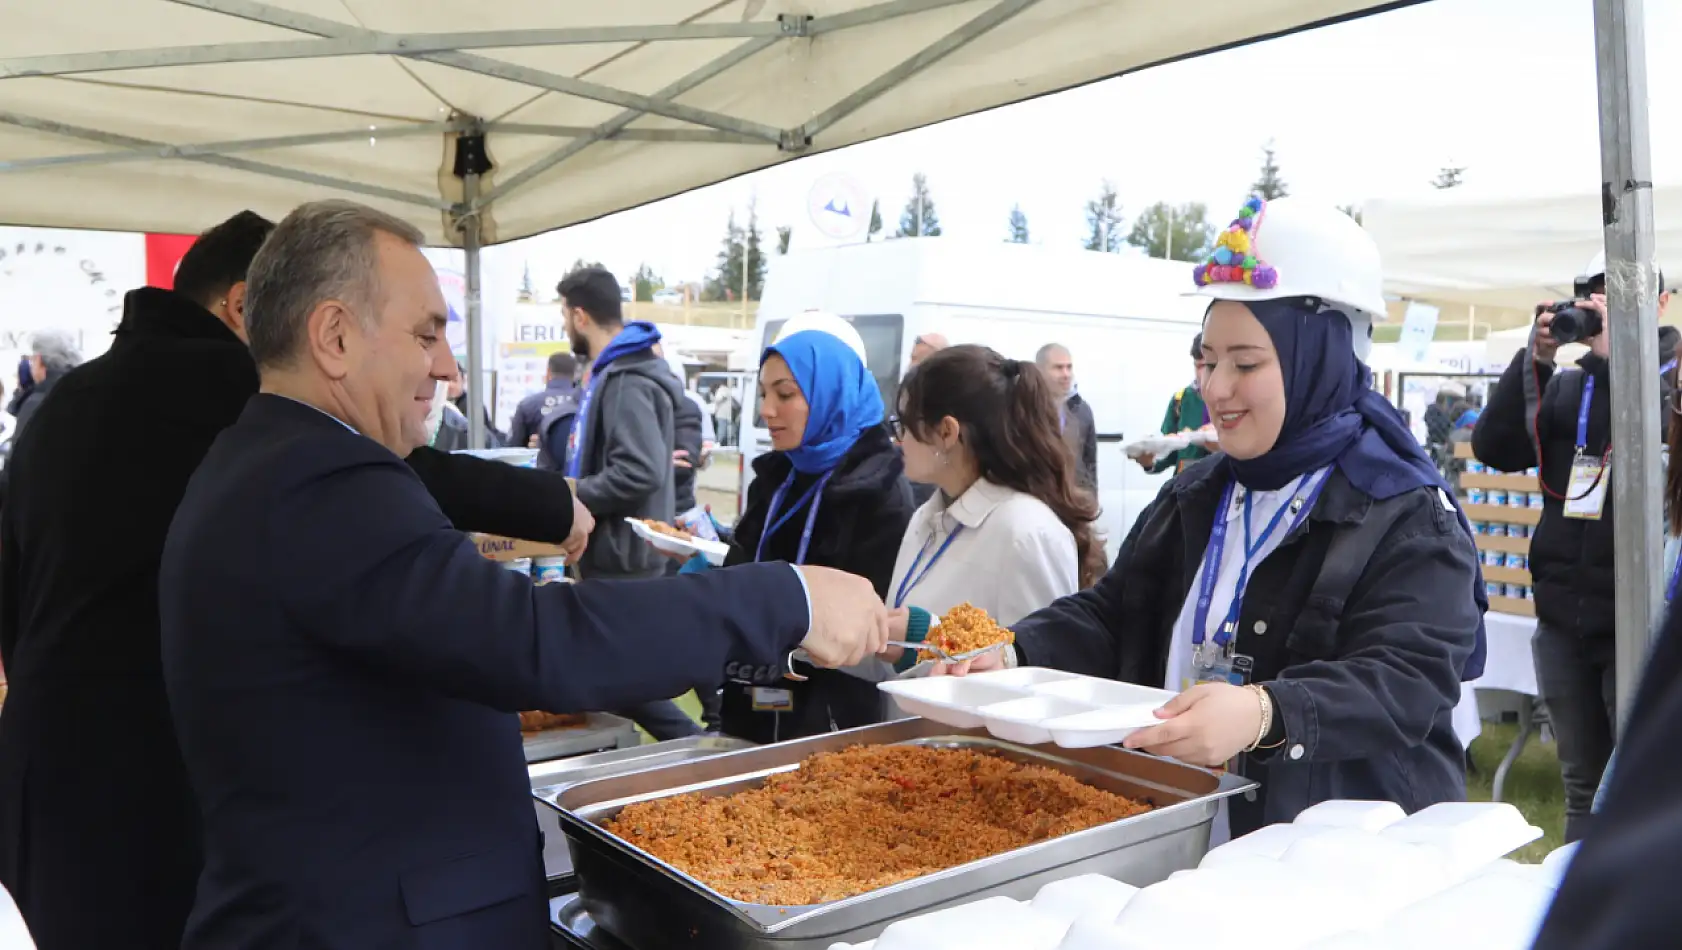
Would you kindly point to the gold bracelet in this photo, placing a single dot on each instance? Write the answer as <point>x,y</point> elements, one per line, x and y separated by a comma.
<point>1266,716</point>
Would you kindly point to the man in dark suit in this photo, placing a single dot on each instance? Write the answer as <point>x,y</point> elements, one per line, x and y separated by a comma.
<point>95,807</point>
<point>343,667</point>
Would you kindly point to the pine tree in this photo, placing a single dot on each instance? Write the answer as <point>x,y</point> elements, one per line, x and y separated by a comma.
<point>725,283</point>
<point>875,222</point>
<point>1018,226</point>
<point>755,251</point>
<point>919,218</point>
<point>645,283</point>
<point>1103,220</point>
<point>785,234</point>
<point>1449,176</point>
<point>1269,185</point>
<point>528,293</point>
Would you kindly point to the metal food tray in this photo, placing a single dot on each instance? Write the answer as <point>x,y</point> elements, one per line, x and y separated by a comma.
<point>552,777</point>
<point>647,903</point>
<point>601,731</point>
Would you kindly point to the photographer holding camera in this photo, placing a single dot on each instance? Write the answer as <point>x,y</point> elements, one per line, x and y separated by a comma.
<point>1562,421</point>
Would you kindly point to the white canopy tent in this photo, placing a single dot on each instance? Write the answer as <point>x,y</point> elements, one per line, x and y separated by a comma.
<point>1463,246</point>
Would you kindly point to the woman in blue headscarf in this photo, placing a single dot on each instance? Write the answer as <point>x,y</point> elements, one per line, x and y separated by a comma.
<point>832,492</point>
<point>1311,592</point>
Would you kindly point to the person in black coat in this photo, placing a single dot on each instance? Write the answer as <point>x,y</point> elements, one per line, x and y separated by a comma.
<point>95,808</point>
<point>1571,558</point>
<point>1311,593</point>
<point>835,494</point>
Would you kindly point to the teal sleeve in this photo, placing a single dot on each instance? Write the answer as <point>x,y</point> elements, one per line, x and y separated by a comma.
<point>695,565</point>
<point>916,629</point>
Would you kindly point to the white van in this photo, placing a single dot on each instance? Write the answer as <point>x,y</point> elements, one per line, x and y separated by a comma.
<point>1126,320</point>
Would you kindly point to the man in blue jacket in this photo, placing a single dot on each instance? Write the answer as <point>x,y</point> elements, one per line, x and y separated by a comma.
<point>557,398</point>
<point>343,667</point>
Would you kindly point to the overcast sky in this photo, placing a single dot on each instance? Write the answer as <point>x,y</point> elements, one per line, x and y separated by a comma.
<point>1366,109</point>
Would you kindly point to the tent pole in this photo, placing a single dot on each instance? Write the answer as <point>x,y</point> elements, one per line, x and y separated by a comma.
<point>1632,303</point>
<point>471,236</point>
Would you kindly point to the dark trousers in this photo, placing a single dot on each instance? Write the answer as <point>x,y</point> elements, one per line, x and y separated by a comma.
<point>1577,677</point>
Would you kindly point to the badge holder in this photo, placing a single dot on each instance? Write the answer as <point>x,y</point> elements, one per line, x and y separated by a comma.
<point>1585,494</point>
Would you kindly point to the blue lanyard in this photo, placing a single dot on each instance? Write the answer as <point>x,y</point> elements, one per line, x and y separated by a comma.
<point>1667,367</point>
<point>772,522</point>
<point>1675,576</point>
<point>1301,505</point>
<point>912,578</point>
<point>1583,413</point>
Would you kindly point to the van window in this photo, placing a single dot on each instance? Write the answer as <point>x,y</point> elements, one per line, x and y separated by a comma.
<point>881,333</point>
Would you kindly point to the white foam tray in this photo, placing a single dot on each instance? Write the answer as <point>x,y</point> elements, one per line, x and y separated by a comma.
<point>1033,706</point>
<point>715,551</point>
<point>1376,880</point>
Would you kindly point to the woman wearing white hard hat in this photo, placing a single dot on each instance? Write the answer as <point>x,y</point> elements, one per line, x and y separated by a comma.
<point>832,493</point>
<point>1311,591</point>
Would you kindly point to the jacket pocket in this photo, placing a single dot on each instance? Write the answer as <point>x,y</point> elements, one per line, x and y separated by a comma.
<point>467,883</point>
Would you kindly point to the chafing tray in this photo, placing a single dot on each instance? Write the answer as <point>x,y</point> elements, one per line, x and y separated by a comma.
<point>647,903</point>
<point>550,778</point>
<point>599,731</point>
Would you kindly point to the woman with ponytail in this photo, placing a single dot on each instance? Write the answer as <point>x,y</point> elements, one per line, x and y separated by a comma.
<point>1008,531</point>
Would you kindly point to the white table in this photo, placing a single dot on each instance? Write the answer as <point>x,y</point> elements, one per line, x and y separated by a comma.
<point>1511,668</point>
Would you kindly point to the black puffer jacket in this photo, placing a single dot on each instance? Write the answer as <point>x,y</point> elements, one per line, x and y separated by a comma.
<point>1365,678</point>
<point>1570,558</point>
<point>862,517</point>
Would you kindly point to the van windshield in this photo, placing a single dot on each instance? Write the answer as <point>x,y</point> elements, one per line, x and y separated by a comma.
<point>881,333</point>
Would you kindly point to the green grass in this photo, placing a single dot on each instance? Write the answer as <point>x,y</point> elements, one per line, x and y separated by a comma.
<point>1533,784</point>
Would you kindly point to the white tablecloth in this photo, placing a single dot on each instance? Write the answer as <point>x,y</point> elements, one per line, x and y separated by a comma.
<point>1509,666</point>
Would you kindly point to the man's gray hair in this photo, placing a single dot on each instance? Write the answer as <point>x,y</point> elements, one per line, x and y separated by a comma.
<point>323,250</point>
<point>57,350</point>
<point>1045,352</point>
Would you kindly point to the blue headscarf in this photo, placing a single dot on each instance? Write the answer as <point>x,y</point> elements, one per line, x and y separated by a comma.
<point>1333,417</point>
<point>841,397</point>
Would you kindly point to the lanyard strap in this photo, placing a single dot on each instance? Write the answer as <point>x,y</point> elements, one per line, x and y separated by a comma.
<point>1583,413</point>
<point>772,522</point>
<point>575,438</point>
<point>1300,506</point>
<point>1675,577</point>
<point>912,578</point>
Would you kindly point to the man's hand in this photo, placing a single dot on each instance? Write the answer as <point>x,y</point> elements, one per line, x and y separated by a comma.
<point>1601,343</point>
<point>680,459</point>
<point>531,443</point>
<point>1544,346</point>
<point>1146,461</point>
<point>849,622</point>
<point>583,523</point>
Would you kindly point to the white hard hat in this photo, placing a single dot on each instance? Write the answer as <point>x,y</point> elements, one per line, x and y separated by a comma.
<point>824,322</point>
<point>1597,268</point>
<point>1290,247</point>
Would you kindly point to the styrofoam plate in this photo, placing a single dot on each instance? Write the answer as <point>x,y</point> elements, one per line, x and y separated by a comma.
<point>1350,813</point>
<point>1023,677</point>
<point>1023,720</point>
<point>953,700</point>
<point>714,551</point>
<point>1088,689</point>
<point>1105,725</point>
<point>1158,445</point>
<point>1470,835</point>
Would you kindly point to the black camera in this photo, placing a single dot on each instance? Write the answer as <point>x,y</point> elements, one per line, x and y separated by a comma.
<point>1572,321</point>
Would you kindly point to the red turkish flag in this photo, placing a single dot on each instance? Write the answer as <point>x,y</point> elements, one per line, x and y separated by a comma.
<point>163,256</point>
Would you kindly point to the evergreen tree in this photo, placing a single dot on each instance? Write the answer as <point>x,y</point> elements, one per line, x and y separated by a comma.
<point>1180,233</point>
<point>1269,185</point>
<point>645,283</point>
<point>784,235</point>
<point>528,293</point>
<point>1018,226</point>
<point>1103,221</point>
<point>725,282</point>
<point>919,218</point>
<point>875,222</point>
<point>755,252</point>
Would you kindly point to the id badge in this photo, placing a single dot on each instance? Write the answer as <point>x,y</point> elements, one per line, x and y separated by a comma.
<point>772,700</point>
<point>1218,666</point>
<point>1585,496</point>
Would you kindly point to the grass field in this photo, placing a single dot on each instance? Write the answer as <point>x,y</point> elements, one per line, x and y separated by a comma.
<point>1532,785</point>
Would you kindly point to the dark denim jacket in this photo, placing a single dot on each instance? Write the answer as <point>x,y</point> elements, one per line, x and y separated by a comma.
<point>1365,687</point>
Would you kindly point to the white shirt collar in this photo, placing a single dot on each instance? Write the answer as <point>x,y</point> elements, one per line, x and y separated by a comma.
<point>318,409</point>
<point>972,507</point>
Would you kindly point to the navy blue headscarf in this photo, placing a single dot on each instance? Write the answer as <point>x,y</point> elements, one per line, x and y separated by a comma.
<point>1333,417</point>
<point>842,398</point>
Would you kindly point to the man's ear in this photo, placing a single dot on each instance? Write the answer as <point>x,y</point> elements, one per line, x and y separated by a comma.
<point>328,338</point>
<point>235,310</point>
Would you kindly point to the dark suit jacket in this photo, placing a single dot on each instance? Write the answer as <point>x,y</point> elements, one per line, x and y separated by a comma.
<point>343,668</point>
<point>95,804</point>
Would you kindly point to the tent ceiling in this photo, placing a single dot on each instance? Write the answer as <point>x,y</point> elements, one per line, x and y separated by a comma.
<point>168,115</point>
<point>1460,246</point>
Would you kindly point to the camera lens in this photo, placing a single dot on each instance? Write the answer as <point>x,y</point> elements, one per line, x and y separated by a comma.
<point>1572,324</point>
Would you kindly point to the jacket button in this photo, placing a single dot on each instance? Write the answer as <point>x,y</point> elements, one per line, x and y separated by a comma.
<point>1296,751</point>
<point>1260,627</point>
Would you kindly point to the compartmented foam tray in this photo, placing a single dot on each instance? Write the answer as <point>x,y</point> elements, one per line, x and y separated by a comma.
<point>715,551</point>
<point>1032,705</point>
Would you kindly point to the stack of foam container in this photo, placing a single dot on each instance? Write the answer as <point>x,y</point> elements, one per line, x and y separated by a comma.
<point>1345,875</point>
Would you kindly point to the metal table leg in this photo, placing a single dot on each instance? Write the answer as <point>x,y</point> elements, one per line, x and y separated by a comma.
<point>1526,725</point>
